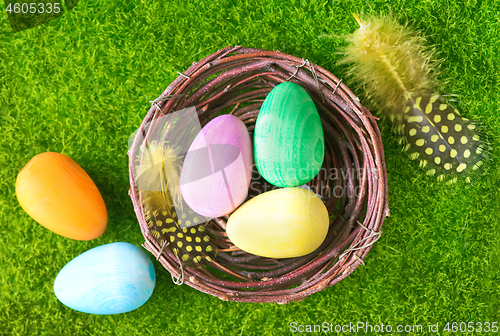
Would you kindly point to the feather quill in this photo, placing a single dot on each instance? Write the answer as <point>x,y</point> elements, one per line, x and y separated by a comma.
<point>397,71</point>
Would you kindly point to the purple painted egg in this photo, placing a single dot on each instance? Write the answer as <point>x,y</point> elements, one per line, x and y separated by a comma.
<point>216,172</point>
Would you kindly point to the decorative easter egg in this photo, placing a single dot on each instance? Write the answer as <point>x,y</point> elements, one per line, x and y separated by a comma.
<point>109,279</point>
<point>288,139</point>
<point>57,193</point>
<point>217,169</point>
<point>282,223</point>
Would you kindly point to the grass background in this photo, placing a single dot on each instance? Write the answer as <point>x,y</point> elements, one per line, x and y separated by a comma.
<point>81,84</point>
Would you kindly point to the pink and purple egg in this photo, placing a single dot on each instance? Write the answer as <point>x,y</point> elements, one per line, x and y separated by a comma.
<point>217,169</point>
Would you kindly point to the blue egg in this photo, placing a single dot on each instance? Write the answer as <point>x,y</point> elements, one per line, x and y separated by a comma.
<point>109,279</point>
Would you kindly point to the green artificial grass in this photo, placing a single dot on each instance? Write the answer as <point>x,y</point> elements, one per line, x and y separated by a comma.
<point>81,84</point>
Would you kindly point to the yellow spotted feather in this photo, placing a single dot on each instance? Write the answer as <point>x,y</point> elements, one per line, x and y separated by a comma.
<point>397,71</point>
<point>158,171</point>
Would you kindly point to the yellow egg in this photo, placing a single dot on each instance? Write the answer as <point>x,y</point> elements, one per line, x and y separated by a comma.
<point>57,193</point>
<point>282,223</point>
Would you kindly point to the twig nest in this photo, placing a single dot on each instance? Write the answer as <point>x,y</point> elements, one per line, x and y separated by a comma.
<point>351,182</point>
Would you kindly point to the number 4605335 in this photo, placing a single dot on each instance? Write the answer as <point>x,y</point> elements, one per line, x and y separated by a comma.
<point>471,327</point>
<point>33,8</point>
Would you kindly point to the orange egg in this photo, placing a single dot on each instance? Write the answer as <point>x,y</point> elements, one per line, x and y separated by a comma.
<point>57,193</point>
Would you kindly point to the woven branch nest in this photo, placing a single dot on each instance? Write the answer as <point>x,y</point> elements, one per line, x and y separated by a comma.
<point>352,182</point>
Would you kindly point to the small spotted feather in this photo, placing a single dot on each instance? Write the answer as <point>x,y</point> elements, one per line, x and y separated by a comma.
<point>395,68</point>
<point>158,168</point>
<point>191,244</point>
